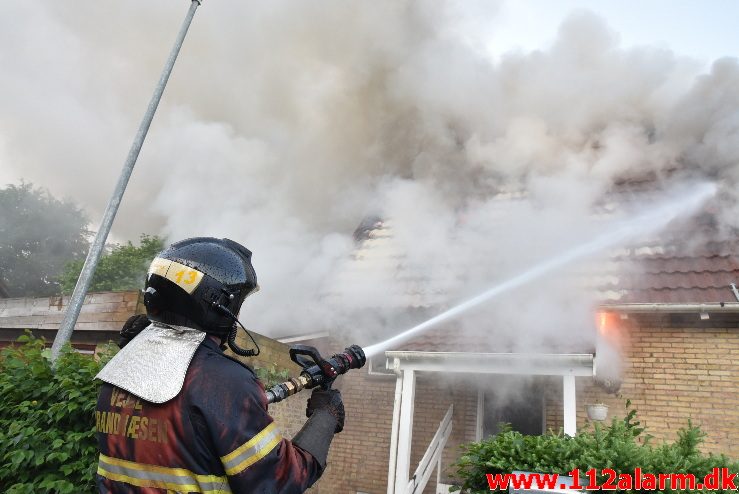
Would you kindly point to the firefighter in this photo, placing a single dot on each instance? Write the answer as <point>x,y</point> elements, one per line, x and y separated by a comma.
<point>177,414</point>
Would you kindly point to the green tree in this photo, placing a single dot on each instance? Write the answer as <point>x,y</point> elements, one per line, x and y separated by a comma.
<point>39,234</point>
<point>122,268</point>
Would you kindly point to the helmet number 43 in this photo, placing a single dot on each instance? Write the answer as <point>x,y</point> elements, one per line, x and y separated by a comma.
<point>192,277</point>
<point>185,277</point>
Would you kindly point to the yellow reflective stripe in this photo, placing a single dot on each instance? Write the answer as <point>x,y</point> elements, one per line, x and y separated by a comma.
<point>255,458</point>
<point>183,276</point>
<point>250,443</point>
<point>252,451</point>
<point>177,479</point>
<point>151,483</point>
<point>182,472</point>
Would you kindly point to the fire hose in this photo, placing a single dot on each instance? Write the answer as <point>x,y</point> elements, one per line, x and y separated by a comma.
<point>317,371</point>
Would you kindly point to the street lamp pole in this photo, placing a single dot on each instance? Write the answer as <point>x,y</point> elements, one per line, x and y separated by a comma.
<point>93,256</point>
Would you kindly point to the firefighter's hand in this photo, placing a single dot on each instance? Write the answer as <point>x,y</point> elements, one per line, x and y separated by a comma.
<point>329,401</point>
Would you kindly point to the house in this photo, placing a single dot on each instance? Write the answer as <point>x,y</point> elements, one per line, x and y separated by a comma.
<point>672,309</point>
<point>101,317</point>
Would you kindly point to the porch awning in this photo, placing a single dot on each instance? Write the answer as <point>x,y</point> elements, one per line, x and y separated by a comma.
<point>546,364</point>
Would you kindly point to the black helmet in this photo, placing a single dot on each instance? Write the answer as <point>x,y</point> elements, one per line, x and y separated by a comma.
<point>201,283</point>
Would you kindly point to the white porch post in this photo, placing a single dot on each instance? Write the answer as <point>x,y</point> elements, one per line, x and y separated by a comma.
<point>405,432</point>
<point>394,431</point>
<point>480,414</point>
<point>569,400</point>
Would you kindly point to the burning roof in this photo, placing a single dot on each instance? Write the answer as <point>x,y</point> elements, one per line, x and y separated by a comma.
<point>661,270</point>
<point>690,262</point>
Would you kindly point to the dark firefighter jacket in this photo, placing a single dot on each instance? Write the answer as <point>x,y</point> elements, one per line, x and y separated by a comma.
<point>215,436</point>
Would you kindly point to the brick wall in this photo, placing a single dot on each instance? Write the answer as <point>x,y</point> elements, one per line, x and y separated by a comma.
<point>672,375</point>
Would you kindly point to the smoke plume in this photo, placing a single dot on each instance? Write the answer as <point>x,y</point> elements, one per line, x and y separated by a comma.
<point>286,123</point>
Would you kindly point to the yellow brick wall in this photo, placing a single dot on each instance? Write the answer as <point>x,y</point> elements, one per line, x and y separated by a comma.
<point>672,375</point>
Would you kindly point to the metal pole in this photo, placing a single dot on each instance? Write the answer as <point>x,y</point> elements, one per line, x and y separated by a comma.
<point>93,256</point>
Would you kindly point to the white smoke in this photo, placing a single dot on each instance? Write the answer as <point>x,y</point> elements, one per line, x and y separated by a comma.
<point>285,123</point>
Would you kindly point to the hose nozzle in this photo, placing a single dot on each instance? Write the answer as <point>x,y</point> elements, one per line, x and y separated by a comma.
<point>316,370</point>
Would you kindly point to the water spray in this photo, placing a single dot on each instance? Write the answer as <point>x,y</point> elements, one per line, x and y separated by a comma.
<point>654,220</point>
<point>316,370</point>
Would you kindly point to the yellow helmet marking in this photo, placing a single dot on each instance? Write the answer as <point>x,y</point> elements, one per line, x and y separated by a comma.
<point>183,276</point>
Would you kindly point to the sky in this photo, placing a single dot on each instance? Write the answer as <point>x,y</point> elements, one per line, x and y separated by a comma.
<point>286,123</point>
<point>702,30</point>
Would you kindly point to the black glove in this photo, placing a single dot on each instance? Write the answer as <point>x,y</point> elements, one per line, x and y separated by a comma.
<point>133,326</point>
<point>329,401</point>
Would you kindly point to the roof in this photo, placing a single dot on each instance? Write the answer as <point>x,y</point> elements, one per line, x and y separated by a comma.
<point>378,263</point>
<point>667,269</point>
<point>674,278</point>
<point>448,340</point>
<point>693,261</point>
<point>101,311</point>
<point>656,273</point>
<point>545,364</point>
<point>670,269</point>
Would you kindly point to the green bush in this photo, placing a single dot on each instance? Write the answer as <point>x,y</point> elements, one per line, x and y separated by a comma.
<point>621,446</point>
<point>47,425</point>
<point>271,375</point>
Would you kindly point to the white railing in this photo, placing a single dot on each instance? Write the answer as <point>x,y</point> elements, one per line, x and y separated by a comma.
<point>432,457</point>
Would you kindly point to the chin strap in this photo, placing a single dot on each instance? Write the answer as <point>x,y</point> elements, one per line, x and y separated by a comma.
<point>232,334</point>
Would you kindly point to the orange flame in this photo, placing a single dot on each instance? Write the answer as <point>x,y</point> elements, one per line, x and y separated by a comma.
<point>608,326</point>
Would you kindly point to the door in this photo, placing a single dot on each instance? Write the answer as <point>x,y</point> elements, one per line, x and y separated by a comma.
<point>514,400</point>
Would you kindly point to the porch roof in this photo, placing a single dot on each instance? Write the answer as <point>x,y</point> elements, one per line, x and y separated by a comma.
<point>539,364</point>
